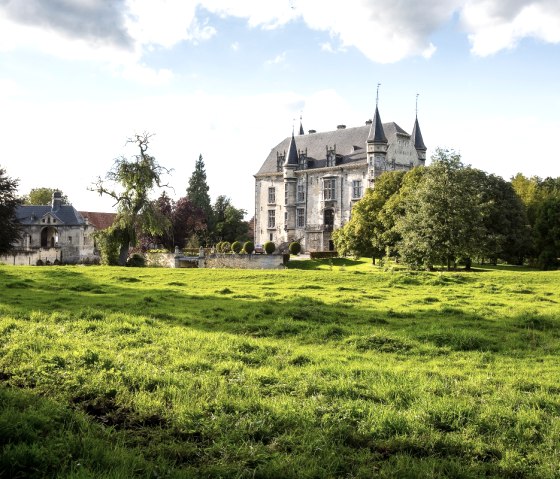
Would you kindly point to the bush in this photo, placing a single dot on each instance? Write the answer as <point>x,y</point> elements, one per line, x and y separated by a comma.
<point>136,261</point>
<point>269,247</point>
<point>249,247</point>
<point>323,254</point>
<point>40,262</point>
<point>226,246</point>
<point>294,248</point>
<point>236,247</point>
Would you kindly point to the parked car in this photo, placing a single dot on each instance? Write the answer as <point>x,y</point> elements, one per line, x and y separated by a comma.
<point>259,249</point>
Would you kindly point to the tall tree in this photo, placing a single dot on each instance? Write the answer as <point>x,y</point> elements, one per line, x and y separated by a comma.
<point>9,226</point>
<point>228,221</point>
<point>443,221</point>
<point>132,182</point>
<point>188,221</point>
<point>42,196</point>
<point>197,193</point>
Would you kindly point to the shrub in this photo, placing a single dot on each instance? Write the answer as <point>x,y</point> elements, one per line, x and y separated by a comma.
<point>249,247</point>
<point>294,248</point>
<point>136,261</point>
<point>269,247</point>
<point>323,254</point>
<point>226,246</point>
<point>40,262</point>
<point>236,247</point>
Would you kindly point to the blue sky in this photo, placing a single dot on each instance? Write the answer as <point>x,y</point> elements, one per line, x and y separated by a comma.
<point>227,79</point>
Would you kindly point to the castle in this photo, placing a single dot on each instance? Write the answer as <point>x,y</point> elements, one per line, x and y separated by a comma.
<point>308,184</point>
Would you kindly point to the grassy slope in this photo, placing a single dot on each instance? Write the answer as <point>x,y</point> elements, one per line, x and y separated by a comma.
<point>333,370</point>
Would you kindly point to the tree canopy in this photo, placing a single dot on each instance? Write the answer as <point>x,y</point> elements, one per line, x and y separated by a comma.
<point>130,183</point>
<point>9,226</point>
<point>42,196</point>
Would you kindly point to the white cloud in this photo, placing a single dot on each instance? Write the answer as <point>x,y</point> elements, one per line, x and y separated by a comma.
<point>495,25</point>
<point>277,60</point>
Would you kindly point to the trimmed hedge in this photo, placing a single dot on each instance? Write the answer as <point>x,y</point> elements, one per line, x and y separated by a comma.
<point>269,247</point>
<point>294,248</point>
<point>323,254</point>
<point>249,247</point>
<point>136,261</point>
<point>236,247</point>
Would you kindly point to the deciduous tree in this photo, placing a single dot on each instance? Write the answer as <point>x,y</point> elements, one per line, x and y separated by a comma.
<point>9,226</point>
<point>42,196</point>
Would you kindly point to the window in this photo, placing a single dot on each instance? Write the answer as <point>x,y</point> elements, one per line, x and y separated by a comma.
<point>300,217</point>
<point>286,194</point>
<point>272,195</point>
<point>271,218</point>
<point>356,189</point>
<point>300,193</point>
<point>286,220</point>
<point>329,188</point>
<point>70,239</point>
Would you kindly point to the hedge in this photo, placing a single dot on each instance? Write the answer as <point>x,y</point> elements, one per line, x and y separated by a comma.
<point>323,254</point>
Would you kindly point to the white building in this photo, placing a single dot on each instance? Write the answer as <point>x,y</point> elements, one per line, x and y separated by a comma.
<point>308,184</point>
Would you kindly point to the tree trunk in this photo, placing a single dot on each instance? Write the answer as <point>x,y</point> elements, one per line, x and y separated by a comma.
<point>123,255</point>
<point>373,260</point>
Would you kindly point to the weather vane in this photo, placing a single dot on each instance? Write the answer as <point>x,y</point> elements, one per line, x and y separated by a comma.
<point>417,95</point>
<point>377,96</point>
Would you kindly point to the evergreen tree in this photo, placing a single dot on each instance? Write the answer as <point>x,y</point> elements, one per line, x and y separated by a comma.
<point>197,191</point>
<point>9,226</point>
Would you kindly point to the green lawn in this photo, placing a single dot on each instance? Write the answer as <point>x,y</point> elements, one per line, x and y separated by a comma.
<point>329,369</point>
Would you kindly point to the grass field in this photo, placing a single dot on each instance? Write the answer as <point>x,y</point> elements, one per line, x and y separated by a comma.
<point>330,369</point>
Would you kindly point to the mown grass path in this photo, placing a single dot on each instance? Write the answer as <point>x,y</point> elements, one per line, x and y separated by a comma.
<point>330,370</point>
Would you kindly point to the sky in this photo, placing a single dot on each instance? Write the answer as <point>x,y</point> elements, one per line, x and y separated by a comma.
<point>229,80</point>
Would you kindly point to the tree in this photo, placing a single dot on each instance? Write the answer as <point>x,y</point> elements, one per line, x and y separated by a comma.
<point>547,232</point>
<point>9,226</point>
<point>42,196</point>
<point>188,221</point>
<point>228,221</point>
<point>197,192</point>
<point>442,220</point>
<point>136,213</point>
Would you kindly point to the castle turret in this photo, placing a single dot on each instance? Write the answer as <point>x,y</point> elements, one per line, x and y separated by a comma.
<point>290,182</point>
<point>419,142</point>
<point>376,148</point>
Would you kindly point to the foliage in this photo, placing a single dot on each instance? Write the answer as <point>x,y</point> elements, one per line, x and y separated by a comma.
<point>248,247</point>
<point>136,212</point>
<point>294,248</point>
<point>197,194</point>
<point>9,226</point>
<point>236,247</point>
<point>136,260</point>
<point>547,233</point>
<point>108,243</point>
<point>189,222</point>
<point>328,373</point>
<point>228,223</point>
<point>269,247</point>
<point>43,196</point>
<point>225,246</point>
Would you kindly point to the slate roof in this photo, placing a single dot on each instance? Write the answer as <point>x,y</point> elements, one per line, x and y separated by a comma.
<point>350,145</point>
<point>99,220</point>
<point>66,214</point>
<point>292,156</point>
<point>417,137</point>
<point>376,133</point>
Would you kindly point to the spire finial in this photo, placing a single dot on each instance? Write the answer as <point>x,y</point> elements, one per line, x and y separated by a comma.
<point>417,95</point>
<point>293,127</point>
<point>377,95</point>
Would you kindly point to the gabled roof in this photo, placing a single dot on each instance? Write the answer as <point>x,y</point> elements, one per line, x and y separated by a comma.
<point>376,133</point>
<point>66,214</point>
<point>345,141</point>
<point>417,137</point>
<point>99,220</point>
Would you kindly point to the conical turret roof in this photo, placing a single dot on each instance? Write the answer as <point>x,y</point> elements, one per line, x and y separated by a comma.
<point>417,137</point>
<point>292,156</point>
<point>301,132</point>
<point>376,133</point>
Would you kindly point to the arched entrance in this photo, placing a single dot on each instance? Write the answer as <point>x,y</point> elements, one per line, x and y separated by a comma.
<point>49,237</point>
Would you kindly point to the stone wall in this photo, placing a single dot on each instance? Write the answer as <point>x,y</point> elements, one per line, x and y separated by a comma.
<point>238,261</point>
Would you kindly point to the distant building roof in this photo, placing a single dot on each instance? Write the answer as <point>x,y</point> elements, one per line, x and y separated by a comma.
<point>99,220</point>
<point>66,214</point>
<point>350,144</point>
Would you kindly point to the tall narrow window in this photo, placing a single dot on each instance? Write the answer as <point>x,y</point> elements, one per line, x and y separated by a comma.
<point>300,193</point>
<point>272,195</point>
<point>271,218</point>
<point>286,193</point>
<point>300,218</point>
<point>357,189</point>
<point>329,185</point>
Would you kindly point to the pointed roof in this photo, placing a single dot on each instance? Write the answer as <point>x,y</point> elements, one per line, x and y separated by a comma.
<point>292,156</point>
<point>301,132</point>
<point>376,133</point>
<point>417,137</point>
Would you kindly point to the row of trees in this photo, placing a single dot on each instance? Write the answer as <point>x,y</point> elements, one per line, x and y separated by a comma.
<point>141,222</point>
<point>448,212</point>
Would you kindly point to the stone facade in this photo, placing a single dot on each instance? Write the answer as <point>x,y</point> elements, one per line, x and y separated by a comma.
<point>308,184</point>
<point>53,233</point>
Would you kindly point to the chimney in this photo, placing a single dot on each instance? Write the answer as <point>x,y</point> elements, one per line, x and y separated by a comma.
<point>312,131</point>
<point>368,122</point>
<point>340,127</point>
<point>56,200</point>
